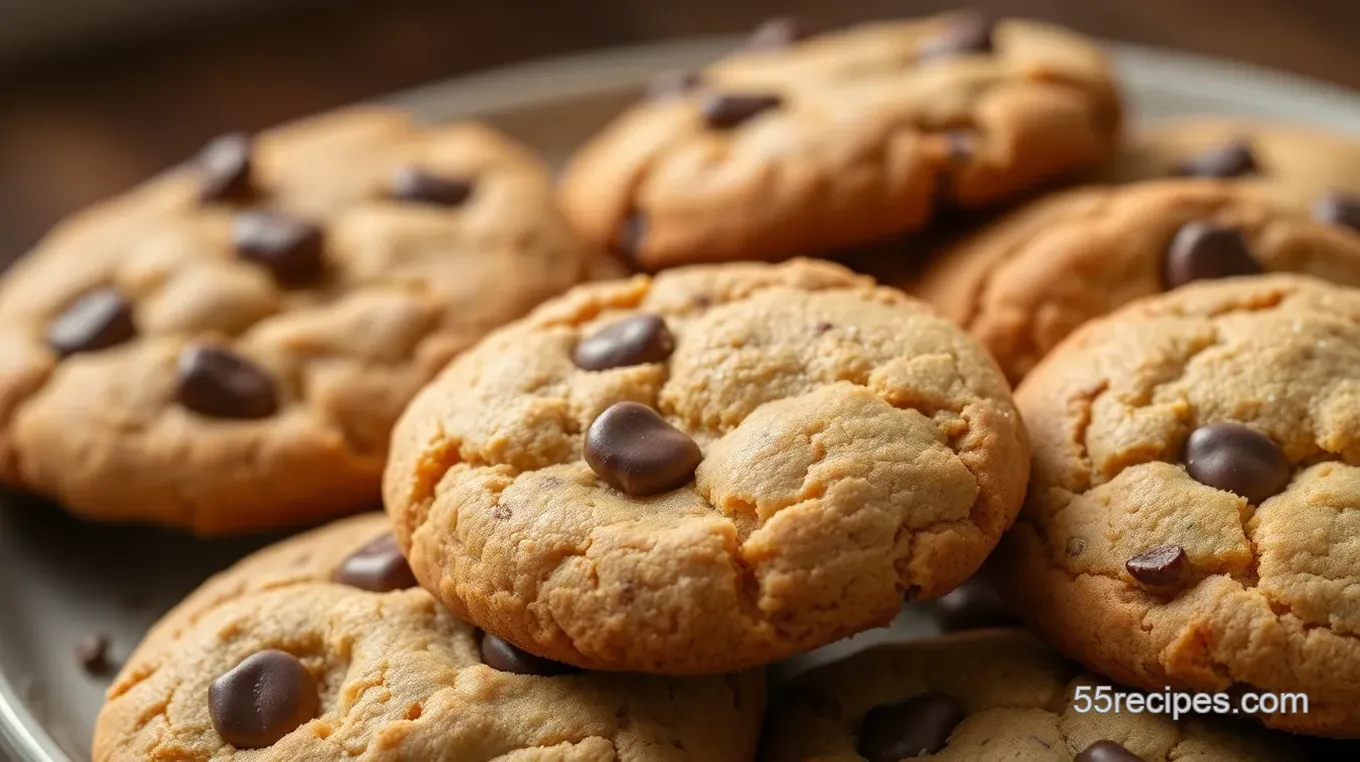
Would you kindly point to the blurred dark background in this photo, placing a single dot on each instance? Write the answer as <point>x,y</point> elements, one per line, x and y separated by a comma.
<point>98,94</point>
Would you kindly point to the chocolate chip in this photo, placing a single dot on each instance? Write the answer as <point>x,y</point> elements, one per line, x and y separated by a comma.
<point>262,699</point>
<point>378,567</point>
<point>225,169</point>
<point>724,111</point>
<point>821,326</point>
<point>918,726</point>
<point>220,384</point>
<point>778,33</point>
<point>1233,159</point>
<point>93,653</point>
<point>288,247</point>
<point>633,449</point>
<point>635,340</point>
<point>961,145</point>
<point>1106,751</point>
<point>1338,209</point>
<point>1075,546</point>
<point>415,184</point>
<point>501,655</point>
<point>97,320</point>
<point>1203,250</point>
<point>631,233</point>
<point>1238,459</point>
<point>1159,567</point>
<point>967,33</point>
<point>971,606</point>
<point>673,84</point>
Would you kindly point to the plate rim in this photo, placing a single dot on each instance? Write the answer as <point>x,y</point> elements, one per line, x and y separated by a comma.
<point>608,70</point>
<point>21,734</point>
<point>600,72</point>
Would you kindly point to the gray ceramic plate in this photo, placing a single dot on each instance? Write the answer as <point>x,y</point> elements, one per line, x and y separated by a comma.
<point>60,579</point>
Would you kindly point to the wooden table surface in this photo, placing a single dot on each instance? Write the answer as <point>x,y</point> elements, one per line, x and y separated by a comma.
<point>77,128</point>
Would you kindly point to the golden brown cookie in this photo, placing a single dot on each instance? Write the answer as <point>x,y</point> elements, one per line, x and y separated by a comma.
<point>313,650</point>
<point>992,695</point>
<point>1192,518</point>
<point>1023,282</point>
<point>226,347</point>
<point>1300,164</point>
<point>707,470</point>
<point>1026,281</point>
<point>811,144</point>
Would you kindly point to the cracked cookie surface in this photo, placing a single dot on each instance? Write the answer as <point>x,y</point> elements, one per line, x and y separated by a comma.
<point>1196,493</point>
<point>838,140</point>
<point>1023,282</point>
<point>854,448</point>
<point>396,677</point>
<point>1014,702</point>
<point>227,347</point>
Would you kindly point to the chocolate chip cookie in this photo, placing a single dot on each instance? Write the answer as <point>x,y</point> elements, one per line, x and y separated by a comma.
<point>1299,164</point>
<point>1023,283</point>
<point>989,695</point>
<point>226,347</point>
<point>807,144</point>
<point>316,649</point>
<point>707,470</point>
<point>1192,518</point>
<point>1197,198</point>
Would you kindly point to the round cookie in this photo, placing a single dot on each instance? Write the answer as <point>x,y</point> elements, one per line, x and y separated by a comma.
<point>1191,518</point>
<point>823,447</point>
<point>983,696</point>
<point>311,650</point>
<point>1023,283</point>
<point>810,144</point>
<point>227,347</point>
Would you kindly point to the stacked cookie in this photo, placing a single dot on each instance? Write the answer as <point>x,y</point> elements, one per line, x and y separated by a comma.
<point>314,649</point>
<point>706,470</point>
<point>815,145</point>
<point>227,347</point>
<point>1191,200</point>
<point>989,694</point>
<point>612,501</point>
<point>1188,525</point>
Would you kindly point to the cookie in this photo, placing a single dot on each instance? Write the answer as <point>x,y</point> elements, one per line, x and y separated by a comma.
<point>1299,164</point>
<point>810,144</point>
<point>227,347</point>
<point>1190,519</point>
<point>707,470</point>
<point>1083,252</point>
<point>312,649</point>
<point>1023,283</point>
<point>988,695</point>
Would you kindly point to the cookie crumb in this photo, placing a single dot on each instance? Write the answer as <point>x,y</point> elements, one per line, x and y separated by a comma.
<point>92,652</point>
